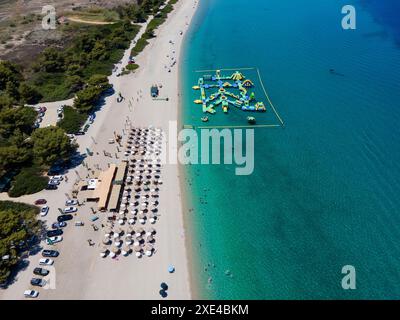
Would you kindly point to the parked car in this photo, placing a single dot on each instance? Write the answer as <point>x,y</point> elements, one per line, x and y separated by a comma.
<point>57,225</point>
<point>54,182</point>
<point>40,201</point>
<point>57,178</point>
<point>54,240</point>
<point>79,133</point>
<point>70,209</point>
<point>71,202</point>
<point>46,262</point>
<point>41,272</point>
<point>31,294</point>
<point>54,233</point>
<point>50,253</point>
<point>79,224</point>
<point>38,282</point>
<point>64,217</point>
<point>44,211</point>
<point>51,187</point>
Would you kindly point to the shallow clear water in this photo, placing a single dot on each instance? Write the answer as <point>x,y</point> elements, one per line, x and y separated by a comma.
<point>325,189</point>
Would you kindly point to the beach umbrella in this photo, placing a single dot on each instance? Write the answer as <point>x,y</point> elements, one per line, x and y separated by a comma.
<point>121,221</point>
<point>128,241</point>
<point>108,230</point>
<point>148,250</point>
<point>150,239</point>
<point>152,220</point>
<point>103,249</point>
<point>151,231</point>
<point>152,215</point>
<point>118,230</point>
<point>137,249</point>
<point>131,231</point>
<point>140,231</point>
<point>110,215</point>
<point>125,250</point>
<point>136,244</point>
<point>131,221</point>
<point>164,286</point>
<point>141,216</point>
<point>115,250</point>
<point>171,269</point>
<point>106,241</point>
<point>117,243</point>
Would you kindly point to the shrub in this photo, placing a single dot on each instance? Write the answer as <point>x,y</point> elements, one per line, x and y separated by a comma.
<point>72,121</point>
<point>28,181</point>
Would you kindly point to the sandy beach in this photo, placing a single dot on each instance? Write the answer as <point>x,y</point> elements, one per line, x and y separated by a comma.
<point>80,272</point>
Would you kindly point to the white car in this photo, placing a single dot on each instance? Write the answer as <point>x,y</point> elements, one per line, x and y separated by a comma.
<point>44,211</point>
<point>52,240</point>
<point>46,262</point>
<point>31,293</point>
<point>70,209</point>
<point>71,202</point>
<point>59,178</point>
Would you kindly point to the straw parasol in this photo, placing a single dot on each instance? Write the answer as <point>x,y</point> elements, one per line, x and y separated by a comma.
<point>106,241</point>
<point>148,250</point>
<point>108,231</point>
<point>118,230</point>
<point>142,216</point>
<point>115,250</point>
<point>150,239</point>
<point>140,231</point>
<point>126,249</point>
<point>130,231</point>
<point>136,244</point>
<point>103,249</point>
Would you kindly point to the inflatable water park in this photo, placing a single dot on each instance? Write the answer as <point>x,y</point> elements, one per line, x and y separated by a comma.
<point>227,91</point>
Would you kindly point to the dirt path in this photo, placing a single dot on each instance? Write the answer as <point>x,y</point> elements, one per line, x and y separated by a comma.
<point>76,19</point>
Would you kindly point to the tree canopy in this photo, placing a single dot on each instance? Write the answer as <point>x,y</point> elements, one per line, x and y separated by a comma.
<point>18,223</point>
<point>51,144</point>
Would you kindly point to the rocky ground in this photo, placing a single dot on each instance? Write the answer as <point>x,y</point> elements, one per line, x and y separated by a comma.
<point>21,32</point>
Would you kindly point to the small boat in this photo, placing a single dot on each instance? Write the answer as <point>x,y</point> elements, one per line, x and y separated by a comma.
<point>251,120</point>
<point>204,119</point>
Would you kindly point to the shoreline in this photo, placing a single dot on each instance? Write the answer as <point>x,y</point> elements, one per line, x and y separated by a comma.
<point>186,198</point>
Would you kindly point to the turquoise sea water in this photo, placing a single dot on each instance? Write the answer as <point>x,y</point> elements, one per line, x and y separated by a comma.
<point>325,189</point>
